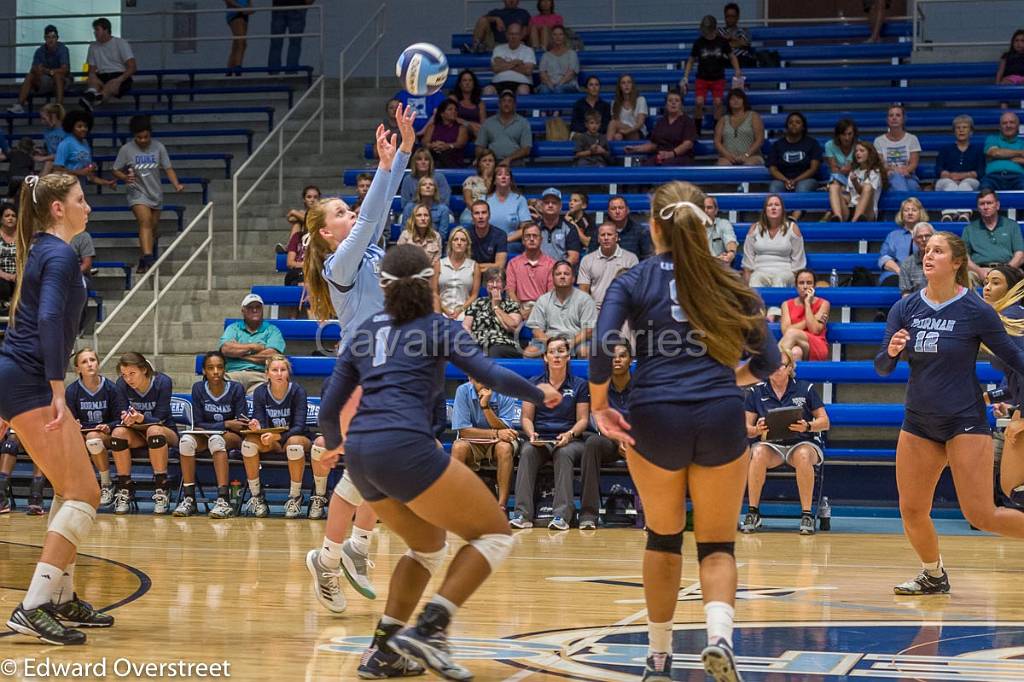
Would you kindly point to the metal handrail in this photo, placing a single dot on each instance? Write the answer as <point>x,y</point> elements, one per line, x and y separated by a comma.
<point>920,21</point>
<point>158,292</point>
<point>377,19</point>
<point>278,132</point>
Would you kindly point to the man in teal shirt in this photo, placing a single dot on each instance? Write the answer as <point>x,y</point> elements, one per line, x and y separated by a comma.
<point>992,239</point>
<point>1005,153</point>
<point>249,343</point>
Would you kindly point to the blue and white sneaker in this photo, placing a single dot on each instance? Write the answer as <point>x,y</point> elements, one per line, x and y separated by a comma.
<point>430,650</point>
<point>658,668</point>
<point>720,662</point>
<point>518,521</point>
<point>381,664</point>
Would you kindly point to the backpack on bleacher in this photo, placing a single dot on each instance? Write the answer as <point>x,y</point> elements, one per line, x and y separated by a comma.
<point>555,129</point>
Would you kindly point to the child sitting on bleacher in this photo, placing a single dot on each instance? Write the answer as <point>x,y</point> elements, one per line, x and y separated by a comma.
<point>592,146</point>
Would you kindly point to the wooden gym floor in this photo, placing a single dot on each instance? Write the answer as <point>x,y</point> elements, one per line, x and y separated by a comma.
<point>565,606</point>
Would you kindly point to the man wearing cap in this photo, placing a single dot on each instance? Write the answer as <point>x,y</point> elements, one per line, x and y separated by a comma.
<point>249,343</point>
<point>558,238</point>
<point>507,134</point>
<point>50,66</point>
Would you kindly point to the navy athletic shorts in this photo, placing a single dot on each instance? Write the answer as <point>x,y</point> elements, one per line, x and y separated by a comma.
<point>943,429</point>
<point>673,435</point>
<point>23,391</point>
<point>396,464</point>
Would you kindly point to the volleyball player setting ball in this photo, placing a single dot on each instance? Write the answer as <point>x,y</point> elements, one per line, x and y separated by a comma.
<point>939,330</point>
<point>694,322</point>
<point>45,311</point>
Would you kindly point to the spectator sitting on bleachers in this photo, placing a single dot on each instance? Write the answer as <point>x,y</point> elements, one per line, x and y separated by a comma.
<point>52,116</point>
<point>138,165</point>
<point>592,147</point>
<point>249,343</point>
<point>420,230</point>
<point>295,257</point>
<point>864,186</point>
<point>721,234</point>
<point>1011,63</point>
<point>629,111</point>
<point>559,65</point>
<point>218,405</point>
<point>565,312</point>
<point>713,53</point>
<point>422,166</point>
<point>992,239</point>
<point>513,64</point>
<point>599,268</point>
<point>8,255</point>
<point>491,29</point>
<point>591,101</point>
<point>558,238</point>
<point>912,277</point>
<point>899,243</point>
<point>22,163</point>
<point>529,273</point>
<point>553,434</point>
<point>740,133</point>
<point>423,105</point>
<point>310,195</point>
<point>74,155</point>
<point>508,134</point>
<point>488,244</point>
<point>466,94</point>
<point>51,64</point>
<point>773,251</point>
<point>633,236</point>
<point>445,137</point>
<point>738,37</point>
<point>543,23</point>
<point>427,195</point>
<point>1005,153</point>
<point>672,138</point>
<point>839,152</point>
<point>363,181</point>
<point>794,159</point>
<point>477,187</point>
<point>458,276</point>
<point>960,166</point>
<point>483,419</point>
<point>493,320</point>
<point>578,217</point>
<point>111,66</point>
<point>900,151</point>
<point>804,320</point>
<point>802,451</point>
<point>508,208</point>
<point>390,122</point>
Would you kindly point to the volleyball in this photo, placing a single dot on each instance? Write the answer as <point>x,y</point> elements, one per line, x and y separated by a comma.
<point>422,68</point>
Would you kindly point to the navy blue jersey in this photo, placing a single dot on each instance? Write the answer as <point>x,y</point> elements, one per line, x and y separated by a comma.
<point>762,398</point>
<point>401,370</point>
<point>209,412</point>
<point>92,408</point>
<point>1013,383</point>
<point>672,362</point>
<point>46,320</point>
<point>942,351</point>
<point>548,422</point>
<point>155,403</point>
<point>289,412</point>
<point>619,400</point>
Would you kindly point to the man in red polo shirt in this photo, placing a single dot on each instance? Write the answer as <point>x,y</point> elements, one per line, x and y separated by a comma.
<point>528,275</point>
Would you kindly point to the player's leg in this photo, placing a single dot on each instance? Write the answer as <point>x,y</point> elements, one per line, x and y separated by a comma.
<point>970,462</point>
<point>762,458</point>
<point>295,450</point>
<point>122,441</point>
<point>318,500</point>
<point>251,449</point>
<point>188,446</point>
<point>1011,464</point>
<point>919,463</point>
<point>97,444</point>
<point>803,458</point>
<point>159,440</point>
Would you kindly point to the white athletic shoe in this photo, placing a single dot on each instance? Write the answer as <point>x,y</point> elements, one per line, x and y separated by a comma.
<point>317,504</point>
<point>221,509</point>
<point>326,583</point>
<point>161,502</point>
<point>355,566</point>
<point>106,496</point>
<point>293,507</point>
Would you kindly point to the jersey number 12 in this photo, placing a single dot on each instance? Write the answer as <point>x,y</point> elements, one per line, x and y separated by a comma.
<point>926,342</point>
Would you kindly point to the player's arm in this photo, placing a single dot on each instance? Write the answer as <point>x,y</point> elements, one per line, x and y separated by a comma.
<point>894,341</point>
<point>463,352</point>
<point>337,390</point>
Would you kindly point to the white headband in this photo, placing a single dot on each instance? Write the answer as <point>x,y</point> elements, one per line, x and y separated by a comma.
<point>669,211</point>
<point>387,278</point>
<point>32,181</point>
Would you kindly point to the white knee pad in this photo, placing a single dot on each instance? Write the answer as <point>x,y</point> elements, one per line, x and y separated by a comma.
<point>95,446</point>
<point>216,443</point>
<point>73,521</point>
<point>249,449</point>
<point>432,561</point>
<point>54,508</point>
<point>295,452</point>
<point>495,547</point>
<point>187,446</point>
<point>316,452</point>
<point>347,490</point>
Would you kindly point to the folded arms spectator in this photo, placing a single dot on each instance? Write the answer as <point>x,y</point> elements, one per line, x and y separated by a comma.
<point>249,343</point>
<point>566,312</point>
<point>1005,154</point>
<point>600,268</point>
<point>960,165</point>
<point>513,64</point>
<point>508,134</point>
<point>740,133</point>
<point>992,239</point>
<point>529,273</point>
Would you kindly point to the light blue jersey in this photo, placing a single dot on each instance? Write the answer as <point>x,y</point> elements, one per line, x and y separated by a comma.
<point>353,270</point>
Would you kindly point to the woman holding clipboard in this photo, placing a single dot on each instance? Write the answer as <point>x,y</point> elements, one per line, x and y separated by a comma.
<point>798,445</point>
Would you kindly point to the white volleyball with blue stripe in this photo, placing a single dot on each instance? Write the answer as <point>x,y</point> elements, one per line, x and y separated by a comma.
<point>422,68</point>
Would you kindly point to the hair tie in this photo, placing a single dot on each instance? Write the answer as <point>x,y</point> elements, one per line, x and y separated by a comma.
<point>669,211</point>
<point>32,181</point>
<point>387,278</point>
<point>305,240</point>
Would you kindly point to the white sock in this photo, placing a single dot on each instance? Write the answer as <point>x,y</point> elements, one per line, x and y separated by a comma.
<point>254,486</point>
<point>45,581</point>
<point>330,553</point>
<point>67,586</point>
<point>360,540</point>
<point>320,485</point>
<point>295,488</point>
<point>445,604</point>
<point>105,478</point>
<point>719,616</point>
<point>659,637</point>
<point>934,569</point>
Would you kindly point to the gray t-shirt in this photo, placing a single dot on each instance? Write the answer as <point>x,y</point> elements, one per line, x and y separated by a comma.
<point>558,66</point>
<point>109,57</point>
<point>82,245</point>
<point>147,164</point>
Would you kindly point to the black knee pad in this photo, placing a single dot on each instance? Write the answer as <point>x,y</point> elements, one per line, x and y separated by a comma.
<point>705,549</point>
<point>669,544</point>
<point>156,441</point>
<point>118,444</point>
<point>9,446</point>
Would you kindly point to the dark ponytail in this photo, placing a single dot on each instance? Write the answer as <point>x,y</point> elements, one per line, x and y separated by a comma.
<point>408,294</point>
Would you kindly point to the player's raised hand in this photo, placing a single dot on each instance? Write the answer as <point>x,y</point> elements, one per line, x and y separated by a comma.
<point>898,343</point>
<point>406,117</point>
<point>385,147</point>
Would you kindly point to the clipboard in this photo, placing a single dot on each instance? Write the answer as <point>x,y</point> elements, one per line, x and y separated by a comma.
<point>778,421</point>
<point>90,429</point>
<point>480,441</point>
<point>201,432</point>
<point>143,426</point>
<point>543,442</point>
<point>269,429</point>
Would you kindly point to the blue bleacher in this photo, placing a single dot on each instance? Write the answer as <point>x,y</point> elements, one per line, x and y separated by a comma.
<point>170,94</point>
<point>115,115</point>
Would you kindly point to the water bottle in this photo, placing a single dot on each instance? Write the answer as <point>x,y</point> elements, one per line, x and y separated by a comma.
<point>833,279</point>
<point>236,496</point>
<point>825,515</point>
